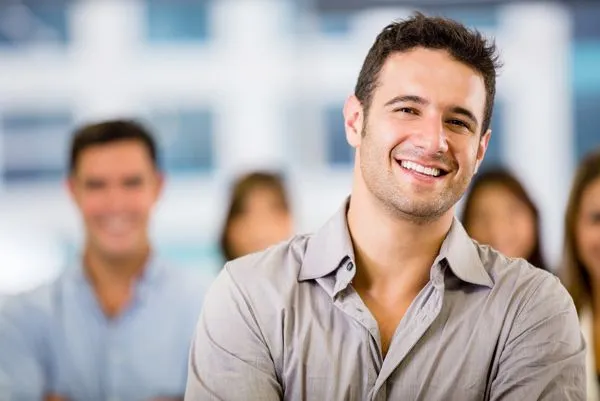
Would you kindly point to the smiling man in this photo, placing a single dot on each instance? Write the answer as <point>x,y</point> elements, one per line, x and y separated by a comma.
<point>117,324</point>
<point>391,299</point>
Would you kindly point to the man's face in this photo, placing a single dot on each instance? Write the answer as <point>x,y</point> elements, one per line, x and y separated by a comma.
<point>420,143</point>
<point>115,186</point>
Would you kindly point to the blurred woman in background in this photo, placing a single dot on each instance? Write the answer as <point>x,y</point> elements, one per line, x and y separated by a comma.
<point>499,212</point>
<point>258,216</point>
<point>580,269</point>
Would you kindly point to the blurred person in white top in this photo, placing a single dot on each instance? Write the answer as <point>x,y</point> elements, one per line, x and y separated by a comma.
<point>581,262</point>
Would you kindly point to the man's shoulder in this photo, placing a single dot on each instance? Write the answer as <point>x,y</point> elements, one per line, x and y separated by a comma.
<point>521,281</point>
<point>271,274</point>
<point>266,282</point>
<point>36,305</point>
<point>280,262</point>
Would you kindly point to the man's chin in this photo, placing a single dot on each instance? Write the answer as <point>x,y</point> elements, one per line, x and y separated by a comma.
<point>120,250</point>
<point>423,211</point>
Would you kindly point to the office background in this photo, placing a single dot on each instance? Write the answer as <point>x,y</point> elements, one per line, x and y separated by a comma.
<point>231,85</point>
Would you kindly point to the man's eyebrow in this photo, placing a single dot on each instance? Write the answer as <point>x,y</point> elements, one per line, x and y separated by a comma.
<point>465,112</point>
<point>407,98</point>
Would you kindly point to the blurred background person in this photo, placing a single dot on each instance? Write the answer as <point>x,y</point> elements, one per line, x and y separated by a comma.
<point>115,325</point>
<point>580,269</point>
<point>499,212</point>
<point>258,216</point>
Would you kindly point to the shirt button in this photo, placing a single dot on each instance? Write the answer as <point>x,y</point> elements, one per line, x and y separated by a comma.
<point>350,266</point>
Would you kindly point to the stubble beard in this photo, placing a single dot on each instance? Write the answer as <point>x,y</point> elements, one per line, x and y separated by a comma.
<point>396,199</point>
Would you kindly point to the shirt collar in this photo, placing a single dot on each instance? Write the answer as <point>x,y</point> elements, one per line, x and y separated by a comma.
<point>331,246</point>
<point>328,247</point>
<point>461,254</point>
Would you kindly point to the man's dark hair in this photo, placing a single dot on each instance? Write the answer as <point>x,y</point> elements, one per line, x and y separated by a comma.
<point>107,132</point>
<point>465,45</point>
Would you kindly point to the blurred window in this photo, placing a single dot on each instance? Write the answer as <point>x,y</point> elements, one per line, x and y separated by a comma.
<point>333,23</point>
<point>586,15</point>
<point>495,150</point>
<point>339,152</point>
<point>585,67</point>
<point>24,22</point>
<point>585,77</point>
<point>478,16</point>
<point>587,121</point>
<point>185,138</point>
<point>34,145</point>
<point>176,20</point>
<point>334,16</point>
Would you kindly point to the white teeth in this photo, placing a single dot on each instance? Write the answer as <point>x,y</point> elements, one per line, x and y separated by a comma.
<point>434,172</point>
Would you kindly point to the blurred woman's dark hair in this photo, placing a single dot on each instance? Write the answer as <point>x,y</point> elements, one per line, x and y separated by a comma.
<point>503,177</point>
<point>241,190</point>
<point>572,271</point>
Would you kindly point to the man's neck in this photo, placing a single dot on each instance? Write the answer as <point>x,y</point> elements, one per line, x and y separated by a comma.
<point>113,279</point>
<point>390,249</point>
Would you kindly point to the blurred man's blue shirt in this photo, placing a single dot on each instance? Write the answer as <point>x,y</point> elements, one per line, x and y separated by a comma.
<point>57,340</point>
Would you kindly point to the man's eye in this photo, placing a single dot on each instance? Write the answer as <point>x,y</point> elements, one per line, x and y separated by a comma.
<point>406,110</point>
<point>459,123</point>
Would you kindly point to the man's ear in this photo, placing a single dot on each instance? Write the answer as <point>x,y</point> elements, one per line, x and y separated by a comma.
<point>353,121</point>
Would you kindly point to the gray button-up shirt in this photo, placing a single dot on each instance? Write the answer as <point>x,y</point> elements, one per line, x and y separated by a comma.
<point>287,324</point>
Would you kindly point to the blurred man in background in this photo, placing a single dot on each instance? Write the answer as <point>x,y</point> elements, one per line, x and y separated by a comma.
<point>117,325</point>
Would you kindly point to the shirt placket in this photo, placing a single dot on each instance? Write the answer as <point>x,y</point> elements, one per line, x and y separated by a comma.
<point>114,364</point>
<point>348,300</point>
<point>413,326</point>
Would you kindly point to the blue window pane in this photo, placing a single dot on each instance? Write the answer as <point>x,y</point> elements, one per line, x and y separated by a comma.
<point>33,21</point>
<point>480,17</point>
<point>35,145</point>
<point>173,21</point>
<point>586,64</point>
<point>587,121</point>
<point>334,23</point>
<point>186,140</point>
<point>586,15</point>
<point>336,20</point>
<point>339,153</point>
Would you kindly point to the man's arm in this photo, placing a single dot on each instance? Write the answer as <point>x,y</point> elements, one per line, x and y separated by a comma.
<point>21,369</point>
<point>544,357</point>
<point>229,359</point>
